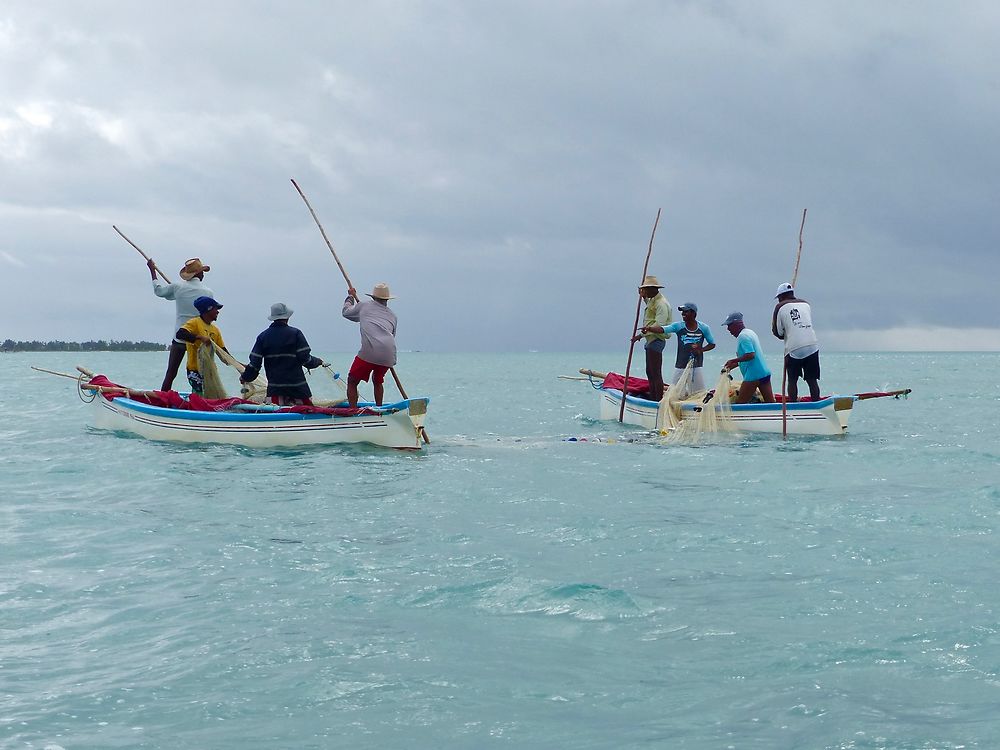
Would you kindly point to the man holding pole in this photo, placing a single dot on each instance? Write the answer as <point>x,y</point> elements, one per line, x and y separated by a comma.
<point>658,314</point>
<point>792,323</point>
<point>378,340</point>
<point>183,293</point>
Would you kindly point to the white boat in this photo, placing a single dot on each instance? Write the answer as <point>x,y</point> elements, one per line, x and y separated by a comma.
<point>828,416</point>
<point>395,425</point>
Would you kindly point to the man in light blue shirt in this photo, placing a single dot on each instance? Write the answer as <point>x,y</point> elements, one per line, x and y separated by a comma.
<point>749,357</point>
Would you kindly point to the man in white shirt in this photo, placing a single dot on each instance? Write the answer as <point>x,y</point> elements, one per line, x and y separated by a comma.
<point>183,293</point>
<point>378,340</point>
<point>792,323</point>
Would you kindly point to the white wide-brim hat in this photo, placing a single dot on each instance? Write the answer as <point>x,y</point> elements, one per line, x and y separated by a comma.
<point>381,291</point>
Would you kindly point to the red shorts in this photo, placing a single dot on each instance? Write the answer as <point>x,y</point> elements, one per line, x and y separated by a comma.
<point>361,370</point>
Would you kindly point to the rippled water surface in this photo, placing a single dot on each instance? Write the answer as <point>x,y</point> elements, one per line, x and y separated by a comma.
<point>507,587</point>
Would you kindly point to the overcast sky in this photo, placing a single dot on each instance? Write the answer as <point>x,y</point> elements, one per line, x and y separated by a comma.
<point>500,165</point>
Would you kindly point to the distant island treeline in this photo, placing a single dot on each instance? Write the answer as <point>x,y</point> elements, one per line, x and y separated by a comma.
<point>100,345</point>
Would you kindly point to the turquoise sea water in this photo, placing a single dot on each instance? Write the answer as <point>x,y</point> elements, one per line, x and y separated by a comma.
<point>506,587</point>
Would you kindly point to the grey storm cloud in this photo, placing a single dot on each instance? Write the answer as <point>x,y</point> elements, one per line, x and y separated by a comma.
<point>500,165</point>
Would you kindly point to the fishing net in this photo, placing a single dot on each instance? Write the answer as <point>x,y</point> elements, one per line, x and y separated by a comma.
<point>668,416</point>
<point>255,390</point>
<point>213,387</point>
<point>712,415</point>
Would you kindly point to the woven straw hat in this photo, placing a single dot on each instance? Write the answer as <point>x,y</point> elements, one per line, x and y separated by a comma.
<point>192,268</point>
<point>651,281</point>
<point>381,291</point>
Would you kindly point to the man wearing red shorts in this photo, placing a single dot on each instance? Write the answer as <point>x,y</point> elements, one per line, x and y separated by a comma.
<point>378,340</point>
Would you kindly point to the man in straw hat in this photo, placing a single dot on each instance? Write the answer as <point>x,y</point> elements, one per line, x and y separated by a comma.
<point>282,351</point>
<point>378,340</point>
<point>183,293</point>
<point>792,323</point>
<point>658,315</point>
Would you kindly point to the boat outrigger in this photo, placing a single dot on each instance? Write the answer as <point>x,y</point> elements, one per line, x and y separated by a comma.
<point>828,416</point>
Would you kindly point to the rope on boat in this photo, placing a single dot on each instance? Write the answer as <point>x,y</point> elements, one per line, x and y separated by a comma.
<point>80,389</point>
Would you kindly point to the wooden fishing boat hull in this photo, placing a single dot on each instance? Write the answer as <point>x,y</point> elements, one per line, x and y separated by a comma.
<point>395,426</point>
<point>828,416</point>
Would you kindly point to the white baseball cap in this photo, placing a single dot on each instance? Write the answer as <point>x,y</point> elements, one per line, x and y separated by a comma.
<point>784,288</point>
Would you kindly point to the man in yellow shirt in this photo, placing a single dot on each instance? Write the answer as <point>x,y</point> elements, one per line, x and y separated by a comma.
<point>658,314</point>
<point>199,331</point>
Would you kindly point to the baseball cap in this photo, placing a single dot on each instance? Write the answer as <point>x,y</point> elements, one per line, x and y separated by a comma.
<point>688,306</point>
<point>733,317</point>
<point>783,289</point>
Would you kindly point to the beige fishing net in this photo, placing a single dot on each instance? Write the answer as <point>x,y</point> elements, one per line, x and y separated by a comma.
<point>256,390</point>
<point>213,387</point>
<point>713,413</point>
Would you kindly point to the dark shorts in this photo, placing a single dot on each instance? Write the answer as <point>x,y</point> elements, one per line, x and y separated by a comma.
<point>197,382</point>
<point>656,345</point>
<point>807,367</point>
<point>760,381</point>
<point>363,370</point>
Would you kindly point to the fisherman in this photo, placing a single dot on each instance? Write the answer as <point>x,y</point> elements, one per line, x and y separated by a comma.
<point>750,358</point>
<point>694,338</point>
<point>658,314</point>
<point>196,332</point>
<point>184,293</point>
<point>282,351</point>
<point>792,323</point>
<point>378,340</point>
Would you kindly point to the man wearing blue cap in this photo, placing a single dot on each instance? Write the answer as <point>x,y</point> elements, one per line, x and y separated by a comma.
<point>694,338</point>
<point>749,357</point>
<point>198,331</point>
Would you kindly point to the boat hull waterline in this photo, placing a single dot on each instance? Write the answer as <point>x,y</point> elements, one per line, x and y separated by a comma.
<point>393,426</point>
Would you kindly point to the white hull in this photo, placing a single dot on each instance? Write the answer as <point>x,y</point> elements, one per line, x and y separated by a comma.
<point>826,417</point>
<point>398,427</point>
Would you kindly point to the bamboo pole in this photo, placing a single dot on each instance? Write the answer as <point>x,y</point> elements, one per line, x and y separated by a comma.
<point>784,364</point>
<point>347,278</point>
<point>635,325</point>
<point>89,387</point>
<point>162,275</point>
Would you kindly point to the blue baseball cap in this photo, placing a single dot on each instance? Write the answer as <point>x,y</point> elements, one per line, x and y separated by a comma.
<point>689,306</point>
<point>204,304</point>
<point>733,317</point>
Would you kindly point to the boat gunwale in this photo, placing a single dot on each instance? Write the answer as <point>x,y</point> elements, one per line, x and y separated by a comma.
<point>125,404</point>
<point>765,408</point>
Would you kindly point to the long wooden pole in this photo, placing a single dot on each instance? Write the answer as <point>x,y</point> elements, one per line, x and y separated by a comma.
<point>340,265</point>
<point>798,255</point>
<point>635,325</point>
<point>784,364</point>
<point>162,275</point>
